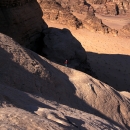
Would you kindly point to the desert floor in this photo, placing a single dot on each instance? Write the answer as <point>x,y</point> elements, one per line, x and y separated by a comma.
<point>108,56</point>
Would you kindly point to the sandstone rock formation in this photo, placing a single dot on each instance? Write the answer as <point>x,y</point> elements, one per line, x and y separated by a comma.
<point>111,7</point>
<point>55,87</point>
<point>62,14</point>
<point>38,93</point>
<point>18,20</point>
<point>54,12</point>
<point>79,6</point>
<point>63,46</point>
<point>125,31</point>
<point>94,24</point>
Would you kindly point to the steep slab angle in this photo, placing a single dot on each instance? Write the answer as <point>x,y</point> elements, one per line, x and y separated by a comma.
<point>24,71</point>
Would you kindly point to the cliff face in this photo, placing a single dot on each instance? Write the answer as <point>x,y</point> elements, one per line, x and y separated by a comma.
<point>21,19</point>
<point>55,12</point>
<point>79,6</point>
<point>111,7</point>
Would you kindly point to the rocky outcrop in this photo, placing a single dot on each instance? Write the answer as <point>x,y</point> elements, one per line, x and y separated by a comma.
<point>79,6</point>
<point>125,31</point>
<point>64,46</point>
<point>109,8</point>
<point>94,24</point>
<point>61,97</point>
<point>18,20</point>
<point>54,12</point>
<point>97,1</point>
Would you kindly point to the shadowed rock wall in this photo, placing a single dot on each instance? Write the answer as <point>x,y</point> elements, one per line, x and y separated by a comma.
<point>21,19</point>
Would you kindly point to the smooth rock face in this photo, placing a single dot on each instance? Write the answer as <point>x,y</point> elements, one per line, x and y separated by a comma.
<point>51,86</point>
<point>18,20</point>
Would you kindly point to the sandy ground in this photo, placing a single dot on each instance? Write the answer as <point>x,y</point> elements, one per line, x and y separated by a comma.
<point>114,22</point>
<point>108,56</point>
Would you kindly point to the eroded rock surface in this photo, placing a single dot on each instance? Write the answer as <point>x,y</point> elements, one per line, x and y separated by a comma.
<point>111,7</point>
<point>79,6</point>
<point>21,20</point>
<point>53,85</point>
<point>58,12</point>
<point>54,12</point>
<point>64,46</point>
<point>125,31</point>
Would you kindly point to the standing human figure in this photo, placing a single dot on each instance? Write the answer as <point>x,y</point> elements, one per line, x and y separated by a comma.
<point>66,63</point>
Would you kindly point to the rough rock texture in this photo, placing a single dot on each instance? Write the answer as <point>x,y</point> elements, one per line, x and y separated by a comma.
<point>54,12</point>
<point>109,8</point>
<point>55,85</point>
<point>94,24</point>
<point>18,20</point>
<point>79,6</point>
<point>97,1</point>
<point>125,31</point>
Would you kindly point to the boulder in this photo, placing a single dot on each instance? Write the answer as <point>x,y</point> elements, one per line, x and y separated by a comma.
<point>64,46</point>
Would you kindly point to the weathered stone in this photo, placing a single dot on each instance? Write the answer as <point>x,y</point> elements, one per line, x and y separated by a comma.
<point>109,8</point>
<point>62,98</point>
<point>79,6</point>
<point>125,31</point>
<point>20,21</point>
<point>63,46</point>
<point>54,12</point>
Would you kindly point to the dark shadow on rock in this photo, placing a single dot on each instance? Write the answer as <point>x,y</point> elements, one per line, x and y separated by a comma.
<point>60,45</point>
<point>55,88</point>
<point>22,21</point>
<point>31,31</point>
<point>112,69</point>
<point>76,122</point>
<point>10,91</point>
